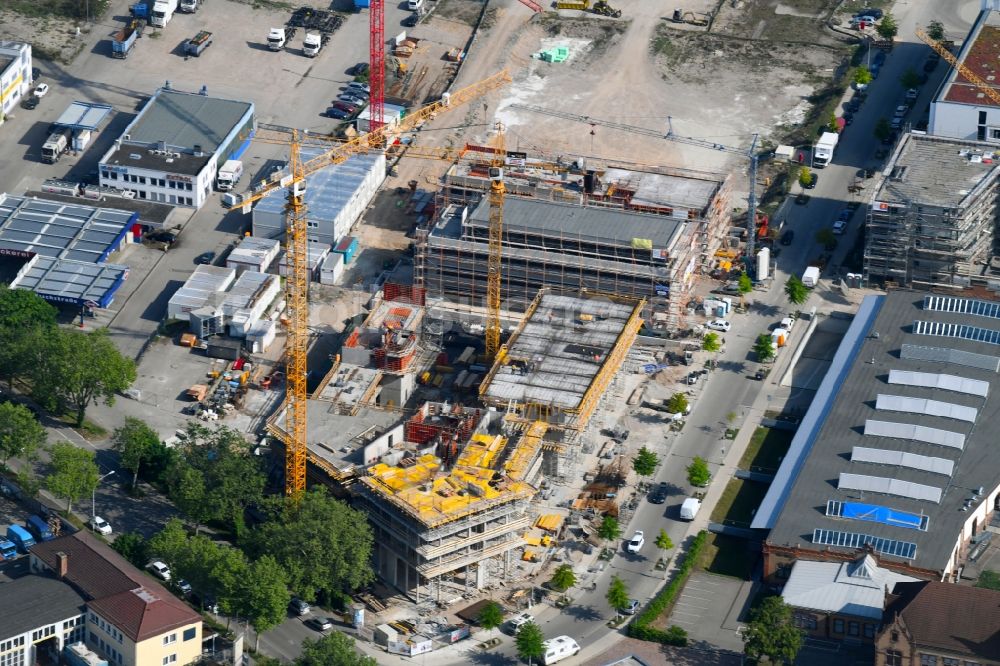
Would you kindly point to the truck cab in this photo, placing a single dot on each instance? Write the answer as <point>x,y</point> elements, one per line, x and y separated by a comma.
<point>8,550</point>
<point>312,44</point>
<point>229,175</point>
<point>276,39</point>
<point>20,537</point>
<point>163,11</point>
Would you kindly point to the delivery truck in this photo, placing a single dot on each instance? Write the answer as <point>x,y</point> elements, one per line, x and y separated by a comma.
<point>229,174</point>
<point>823,154</point>
<point>56,145</point>
<point>20,537</point>
<point>163,11</point>
<point>810,277</point>
<point>690,507</point>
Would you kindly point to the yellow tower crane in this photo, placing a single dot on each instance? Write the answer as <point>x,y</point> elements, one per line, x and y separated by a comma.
<point>293,180</point>
<point>494,267</point>
<point>987,89</point>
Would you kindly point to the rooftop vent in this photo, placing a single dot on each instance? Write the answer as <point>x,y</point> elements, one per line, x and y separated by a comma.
<point>135,156</point>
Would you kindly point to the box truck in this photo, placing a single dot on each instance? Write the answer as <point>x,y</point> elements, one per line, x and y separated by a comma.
<point>689,509</point>
<point>229,174</point>
<point>823,153</point>
<point>163,11</point>
<point>20,537</point>
<point>810,277</point>
<point>124,40</point>
<point>39,529</point>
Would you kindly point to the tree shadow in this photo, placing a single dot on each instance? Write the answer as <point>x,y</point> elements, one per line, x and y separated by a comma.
<point>491,659</point>
<point>732,366</point>
<point>583,613</point>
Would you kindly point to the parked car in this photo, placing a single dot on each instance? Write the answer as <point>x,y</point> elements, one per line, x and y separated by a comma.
<point>633,606</point>
<point>839,226</point>
<point>41,90</point>
<point>637,541</point>
<point>184,587</point>
<point>348,98</point>
<point>845,215</point>
<point>848,118</point>
<point>719,325</point>
<point>359,69</point>
<point>787,237</point>
<point>345,107</point>
<point>336,113</point>
<point>299,607</point>
<point>813,180</point>
<point>159,569</point>
<point>205,258</point>
<point>357,85</point>
<point>162,237</point>
<point>874,13</point>
<point>29,103</point>
<point>854,105</point>
<point>515,623</point>
<point>879,58</point>
<point>912,94</point>
<point>320,623</point>
<point>100,525</point>
<point>659,494</point>
<point>411,20</point>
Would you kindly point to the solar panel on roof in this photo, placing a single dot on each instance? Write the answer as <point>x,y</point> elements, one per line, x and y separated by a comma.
<point>901,403</point>
<point>971,306</point>
<point>940,381</point>
<point>887,486</point>
<point>877,514</point>
<point>950,356</point>
<point>902,459</point>
<point>904,549</point>
<point>960,331</point>
<point>955,440</point>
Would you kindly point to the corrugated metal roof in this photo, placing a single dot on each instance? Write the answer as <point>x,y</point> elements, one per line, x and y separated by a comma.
<point>848,588</point>
<point>84,115</point>
<point>186,120</point>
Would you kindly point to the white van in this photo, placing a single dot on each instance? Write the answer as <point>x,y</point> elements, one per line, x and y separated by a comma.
<point>414,5</point>
<point>558,648</point>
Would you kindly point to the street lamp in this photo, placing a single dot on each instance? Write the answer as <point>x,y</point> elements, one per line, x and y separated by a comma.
<point>93,495</point>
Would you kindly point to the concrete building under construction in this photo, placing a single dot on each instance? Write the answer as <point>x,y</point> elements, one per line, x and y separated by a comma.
<point>615,230</point>
<point>932,221</point>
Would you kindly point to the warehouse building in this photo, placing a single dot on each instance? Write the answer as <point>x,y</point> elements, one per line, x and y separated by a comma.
<point>172,150</point>
<point>60,250</point>
<point>639,235</point>
<point>897,452</point>
<point>15,76</point>
<point>336,197</point>
<point>933,217</point>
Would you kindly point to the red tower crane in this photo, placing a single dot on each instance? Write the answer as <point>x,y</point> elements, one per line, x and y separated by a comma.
<point>376,64</point>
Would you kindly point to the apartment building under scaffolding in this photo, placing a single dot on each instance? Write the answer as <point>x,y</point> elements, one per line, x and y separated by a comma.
<point>932,221</point>
<point>645,234</point>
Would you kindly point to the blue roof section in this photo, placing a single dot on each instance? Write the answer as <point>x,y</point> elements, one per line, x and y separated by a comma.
<point>883,514</point>
<point>805,436</point>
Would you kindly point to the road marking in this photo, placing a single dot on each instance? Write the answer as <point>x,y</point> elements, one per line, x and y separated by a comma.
<point>62,434</point>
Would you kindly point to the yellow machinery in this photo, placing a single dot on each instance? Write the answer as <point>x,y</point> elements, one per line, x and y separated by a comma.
<point>988,90</point>
<point>297,282</point>
<point>494,274</point>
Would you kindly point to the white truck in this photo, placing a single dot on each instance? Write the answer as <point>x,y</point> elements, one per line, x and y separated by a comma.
<point>312,44</point>
<point>276,39</point>
<point>163,11</point>
<point>689,509</point>
<point>229,174</point>
<point>810,277</point>
<point>823,153</point>
<point>56,144</point>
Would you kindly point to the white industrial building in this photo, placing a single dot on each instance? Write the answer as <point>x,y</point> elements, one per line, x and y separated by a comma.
<point>332,269</point>
<point>248,299</point>
<point>172,150</point>
<point>315,259</point>
<point>253,254</point>
<point>15,75</point>
<point>200,290</point>
<point>961,110</point>
<point>335,198</point>
<point>393,113</point>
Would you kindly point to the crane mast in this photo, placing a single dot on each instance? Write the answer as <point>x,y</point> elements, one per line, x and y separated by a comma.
<point>493,283</point>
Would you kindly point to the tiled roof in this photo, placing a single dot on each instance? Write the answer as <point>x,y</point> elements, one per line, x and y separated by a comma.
<point>956,618</point>
<point>135,603</point>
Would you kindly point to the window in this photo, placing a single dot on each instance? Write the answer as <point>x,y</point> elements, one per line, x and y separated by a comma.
<point>949,661</point>
<point>894,636</point>
<point>804,620</point>
<point>170,638</point>
<point>190,633</point>
<point>982,118</point>
<point>994,133</point>
<point>169,659</point>
<point>928,659</point>
<point>893,658</point>
<point>869,630</point>
<point>838,626</point>
<point>853,629</point>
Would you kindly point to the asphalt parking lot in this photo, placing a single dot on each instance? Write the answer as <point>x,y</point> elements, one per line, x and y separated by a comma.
<point>708,609</point>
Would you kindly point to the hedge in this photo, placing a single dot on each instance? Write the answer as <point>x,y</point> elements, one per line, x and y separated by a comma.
<point>641,628</point>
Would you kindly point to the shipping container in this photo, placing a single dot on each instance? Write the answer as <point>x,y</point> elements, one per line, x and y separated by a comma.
<point>332,269</point>
<point>347,246</point>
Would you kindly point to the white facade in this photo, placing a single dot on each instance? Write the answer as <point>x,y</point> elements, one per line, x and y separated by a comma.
<point>253,254</point>
<point>392,115</point>
<point>23,649</point>
<point>332,269</point>
<point>317,255</point>
<point>204,286</point>
<point>261,334</point>
<point>248,299</point>
<point>15,77</point>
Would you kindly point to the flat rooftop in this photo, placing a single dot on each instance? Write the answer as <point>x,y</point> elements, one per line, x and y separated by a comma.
<point>900,430</point>
<point>185,120</point>
<point>73,231</point>
<point>658,190</point>
<point>151,213</point>
<point>348,385</point>
<point>141,157</point>
<point>339,439</point>
<point>68,281</point>
<point>601,225</point>
<point>979,54</point>
<point>561,346</point>
<point>84,115</point>
<point>936,171</point>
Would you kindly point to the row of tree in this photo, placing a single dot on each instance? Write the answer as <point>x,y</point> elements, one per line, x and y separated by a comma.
<point>66,370</point>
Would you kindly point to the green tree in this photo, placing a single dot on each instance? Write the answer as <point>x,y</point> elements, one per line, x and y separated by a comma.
<point>796,291</point>
<point>826,237</point>
<point>617,595</point>
<point>663,541</point>
<point>333,649</point>
<point>763,347</point>
<point>133,547</point>
<point>529,642</point>
<point>935,30</point>
<point>563,578</point>
<point>677,636</point>
<point>25,321</point>
<point>831,124</point>
<point>645,462</point>
<point>228,572</point>
<point>771,633</point>
<point>188,490</point>
<point>135,442</point>
<point>265,597</point>
<point>169,544</point>
<point>910,79</point>
<point>883,130</point>
<point>491,617</point>
<point>677,404</point>
<point>74,473</point>
<point>887,28</point>
<point>805,176</point>
<point>323,544</point>
<point>862,76</point>
<point>29,483</point>
<point>20,434</point>
<point>80,369</point>
<point>711,342</point>
<point>698,472</point>
<point>609,529</point>
<point>744,285</point>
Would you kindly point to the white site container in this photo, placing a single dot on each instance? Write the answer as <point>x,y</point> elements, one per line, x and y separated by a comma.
<point>332,269</point>
<point>253,254</point>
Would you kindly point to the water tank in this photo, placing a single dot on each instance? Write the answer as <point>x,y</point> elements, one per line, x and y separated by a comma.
<point>764,263</point>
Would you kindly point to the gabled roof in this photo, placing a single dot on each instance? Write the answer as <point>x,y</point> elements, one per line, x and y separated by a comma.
<point>954,618</point>
<point>855,588</point>
<point>135,603</point>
